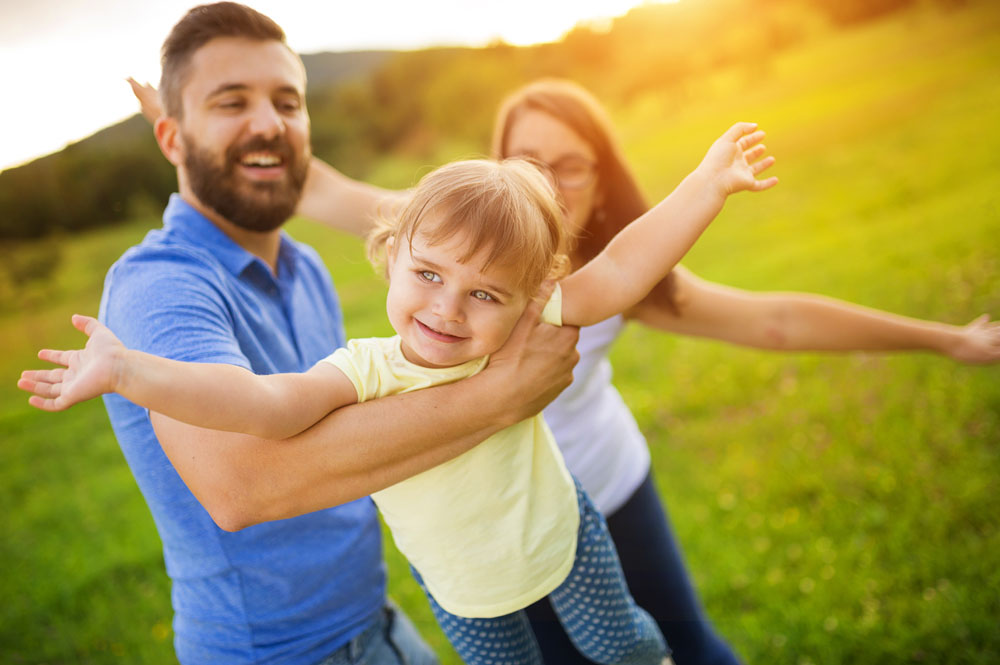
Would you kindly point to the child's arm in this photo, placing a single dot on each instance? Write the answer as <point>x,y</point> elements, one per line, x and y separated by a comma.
<point>647,249</point>
<point>212,396</point>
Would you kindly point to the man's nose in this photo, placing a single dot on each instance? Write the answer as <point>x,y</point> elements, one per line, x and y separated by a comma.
<point>266,121</point>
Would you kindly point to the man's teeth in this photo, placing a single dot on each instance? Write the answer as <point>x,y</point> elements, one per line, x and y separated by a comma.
<point>261,159</point>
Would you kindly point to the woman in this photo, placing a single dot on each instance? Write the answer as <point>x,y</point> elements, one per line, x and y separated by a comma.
<point>561,125</point>
<point>563,128</point>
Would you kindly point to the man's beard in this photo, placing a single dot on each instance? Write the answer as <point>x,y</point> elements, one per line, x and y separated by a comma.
<point>260,206</point>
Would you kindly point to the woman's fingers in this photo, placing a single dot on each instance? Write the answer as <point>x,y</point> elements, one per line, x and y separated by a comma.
<point>980,321</point>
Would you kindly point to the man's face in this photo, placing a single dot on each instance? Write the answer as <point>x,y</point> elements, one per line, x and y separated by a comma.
<point>245,131</point>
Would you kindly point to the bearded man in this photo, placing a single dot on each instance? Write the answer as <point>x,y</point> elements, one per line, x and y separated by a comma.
<point>273,547</point>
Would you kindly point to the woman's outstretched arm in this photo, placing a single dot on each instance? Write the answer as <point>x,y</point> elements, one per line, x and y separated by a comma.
<point>789,321</point>
<point>335,200</point>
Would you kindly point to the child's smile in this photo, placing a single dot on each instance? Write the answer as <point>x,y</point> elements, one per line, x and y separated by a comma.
<point>448,312</point>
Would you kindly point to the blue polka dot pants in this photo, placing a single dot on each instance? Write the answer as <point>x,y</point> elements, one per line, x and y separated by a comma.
<point>593,604</point>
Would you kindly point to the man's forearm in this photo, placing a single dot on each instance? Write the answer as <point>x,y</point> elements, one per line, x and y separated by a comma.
<point>242,480</point>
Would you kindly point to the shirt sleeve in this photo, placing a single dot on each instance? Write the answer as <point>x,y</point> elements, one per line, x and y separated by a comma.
<point>356,361</point>
<point>552,312</point>
<point>170,303</point>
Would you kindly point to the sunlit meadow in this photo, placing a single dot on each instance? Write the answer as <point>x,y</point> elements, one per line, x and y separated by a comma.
<point>832,508</point>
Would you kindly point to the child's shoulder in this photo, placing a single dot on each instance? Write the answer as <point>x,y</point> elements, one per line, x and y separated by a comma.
<point>368,347</point>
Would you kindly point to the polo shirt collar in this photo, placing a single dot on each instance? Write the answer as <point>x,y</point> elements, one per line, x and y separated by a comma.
<point>181,218</point>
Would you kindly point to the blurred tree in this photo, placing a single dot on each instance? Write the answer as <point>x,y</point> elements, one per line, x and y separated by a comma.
<point>367,104</point>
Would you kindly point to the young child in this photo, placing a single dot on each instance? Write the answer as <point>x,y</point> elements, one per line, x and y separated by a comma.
<point>504,524</point>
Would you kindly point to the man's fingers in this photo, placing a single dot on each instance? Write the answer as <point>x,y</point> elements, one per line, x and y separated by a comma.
<point>544,292</point>
<point>532,314</point>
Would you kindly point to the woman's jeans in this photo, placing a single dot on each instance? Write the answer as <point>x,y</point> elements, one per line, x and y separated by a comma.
<point>655,572</point>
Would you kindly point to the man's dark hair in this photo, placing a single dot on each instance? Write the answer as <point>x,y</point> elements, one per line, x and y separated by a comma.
<point>198,27</point>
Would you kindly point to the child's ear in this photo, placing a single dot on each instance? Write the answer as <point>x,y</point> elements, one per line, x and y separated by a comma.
<point>390,254</point>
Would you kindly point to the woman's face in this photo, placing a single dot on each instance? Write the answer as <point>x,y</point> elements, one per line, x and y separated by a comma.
<point>571,160</point>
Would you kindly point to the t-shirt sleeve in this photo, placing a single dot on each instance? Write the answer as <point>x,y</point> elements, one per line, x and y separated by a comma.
<point>169,303</point>
<point>358,362</point>
<point>552,312</point>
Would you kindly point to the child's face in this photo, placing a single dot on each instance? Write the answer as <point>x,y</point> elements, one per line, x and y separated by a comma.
<point>445,311</point>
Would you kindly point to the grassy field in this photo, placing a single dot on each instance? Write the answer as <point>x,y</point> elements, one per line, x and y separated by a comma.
<point>832,508</point>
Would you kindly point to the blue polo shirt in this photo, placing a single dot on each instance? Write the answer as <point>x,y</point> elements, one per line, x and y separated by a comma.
<point>289,591</point>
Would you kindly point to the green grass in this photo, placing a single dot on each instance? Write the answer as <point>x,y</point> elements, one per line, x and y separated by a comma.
<point>832,508</point>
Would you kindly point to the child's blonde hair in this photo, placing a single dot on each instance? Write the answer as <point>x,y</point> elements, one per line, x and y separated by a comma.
<point>507,209</point>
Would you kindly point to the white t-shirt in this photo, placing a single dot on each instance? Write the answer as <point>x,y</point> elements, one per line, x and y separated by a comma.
<point>595,430</point>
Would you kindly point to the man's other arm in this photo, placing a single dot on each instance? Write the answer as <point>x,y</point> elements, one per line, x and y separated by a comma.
<point>243,480</point>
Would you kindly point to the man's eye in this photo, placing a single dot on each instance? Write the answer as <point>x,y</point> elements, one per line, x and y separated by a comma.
<point>482,295</point>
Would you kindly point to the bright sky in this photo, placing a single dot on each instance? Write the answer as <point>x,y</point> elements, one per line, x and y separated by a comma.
<point>65,61</point>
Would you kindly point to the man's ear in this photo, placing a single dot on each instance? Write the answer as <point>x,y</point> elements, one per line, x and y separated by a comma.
<point>167,132</point>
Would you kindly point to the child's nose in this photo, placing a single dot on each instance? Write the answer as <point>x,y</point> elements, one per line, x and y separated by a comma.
<point>449,308</point>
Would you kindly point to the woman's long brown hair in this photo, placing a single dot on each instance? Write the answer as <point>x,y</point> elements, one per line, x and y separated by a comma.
<point>621,199</point>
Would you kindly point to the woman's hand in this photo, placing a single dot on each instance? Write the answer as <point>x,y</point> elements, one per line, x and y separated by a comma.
<point>149,99</point>
<point>86,373</point>
<point>734,160</point>
<point>978,343</point>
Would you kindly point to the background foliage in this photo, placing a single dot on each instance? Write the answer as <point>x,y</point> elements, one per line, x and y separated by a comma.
<point>368,103</point>
<point>832,508</point>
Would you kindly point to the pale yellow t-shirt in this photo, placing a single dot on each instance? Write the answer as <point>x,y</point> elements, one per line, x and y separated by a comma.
<point>492,530</point>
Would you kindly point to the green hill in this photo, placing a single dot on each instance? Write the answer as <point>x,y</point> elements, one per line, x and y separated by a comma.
<point>832,508</point>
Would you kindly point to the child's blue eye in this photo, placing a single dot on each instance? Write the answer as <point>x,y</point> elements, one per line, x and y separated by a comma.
<point>429,276</point>
<point>482,295</point>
